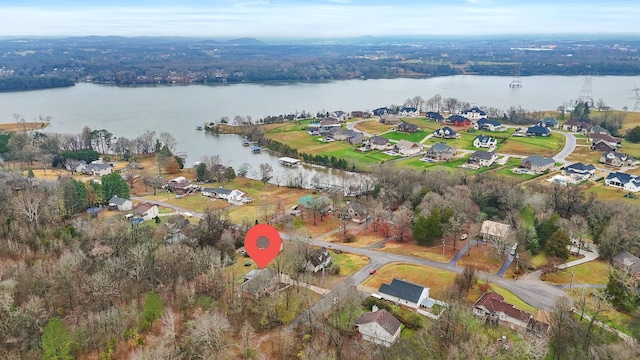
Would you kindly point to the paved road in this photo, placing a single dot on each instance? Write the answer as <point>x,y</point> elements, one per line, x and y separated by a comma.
<point>569,147</point>
<point>534,292</point>
<point>505,265</point>
<point>588,256</point>
<point>462,251</point>
<point>351,125</point>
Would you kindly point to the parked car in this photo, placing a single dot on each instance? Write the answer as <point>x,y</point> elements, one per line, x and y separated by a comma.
<point>373,271</point>
<point>463,237</point>
<point>513,249</point>
<point>248,263</point>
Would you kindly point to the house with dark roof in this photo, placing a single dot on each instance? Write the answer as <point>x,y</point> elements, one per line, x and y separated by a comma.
<point>360,114</point>
<point>492,308</point>
<point>378,143</point>
<point>484,141</point>
<point>318,259</point>
<point>339,133</point>
<point>258,283</point>
<point>488,124</point>
<point>355,137</point>
<point>120,204</point>
<point>381,111</point>
<point>579,171</point>
<point>537,130</point>
<point>483,158</point>
<point>458,120</point>
<point>389,119</point>
<point>379,327</point>
<point>404,293</point>
<point>208,192</point>
<point>146,211</point>
<point>220,193</point>
<point>340,115</point>
<point>623,181</point>
<point>407,148</point>
<point>408,112</point>
<point>610,141</point>
<point>407,127</point>
<point>329,121</point>
<point>549,122</point>
<point>537,163</point>
<point>353,211</point>
<point>628,262</point>
<point>446,133</point>
<point>475,113</point>
<point>441,151</point>
<point>614,158</point>
<point>98,169</point>
<point>603,146</point>
<point>575,125</point>
<point>434,116</point>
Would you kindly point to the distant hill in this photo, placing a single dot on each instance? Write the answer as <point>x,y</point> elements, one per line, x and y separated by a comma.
<point>245,42</point>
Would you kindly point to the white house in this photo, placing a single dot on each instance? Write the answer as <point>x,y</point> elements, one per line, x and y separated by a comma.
<point>209,192</point>
<point>318,259</point>
<point>483,158</point>
<point>579,171</point>
<point>623,181</point>
<point>474,113</point>
<point>484,141</point>
<point>121,204</point>
<point>235,196</point>
<point>408,112</point>
<point>97,169</point>
<point>407,148</point>
<point>489,125</point>
<point>404,293</point>
<point>379,327</point>
<point>146,211</point>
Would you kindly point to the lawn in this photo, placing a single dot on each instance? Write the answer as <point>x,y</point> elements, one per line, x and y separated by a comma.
<point>349,263</point>
<point>413,137</point>
<point>631,149</point>
<point>620,321</point>
<point>514,163</point>
<point>428,125</point>
<point>194,202</point>
<point>416,163</point>
<point>584,155</point>
<point>433,252</point>
<point>361,240</point>
<point>523,145</point>
<point>362,160</point>
<point>481,258</point>
<point>630,119</point>
<point>593,272</point>
<point>609,193</point>
<point>437,280</point>
<point>372,127</point>
<point>290,126</point>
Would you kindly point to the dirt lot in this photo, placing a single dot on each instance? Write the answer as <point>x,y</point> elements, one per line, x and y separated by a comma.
<point>431,253</point>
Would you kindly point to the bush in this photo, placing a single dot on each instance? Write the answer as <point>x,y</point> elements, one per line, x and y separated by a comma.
<point>370,301</point>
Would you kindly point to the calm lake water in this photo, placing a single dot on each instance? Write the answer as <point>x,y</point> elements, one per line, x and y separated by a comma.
<point>178,109</point>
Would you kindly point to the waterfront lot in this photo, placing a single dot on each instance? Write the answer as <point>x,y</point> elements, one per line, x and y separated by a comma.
<point>523,145</point>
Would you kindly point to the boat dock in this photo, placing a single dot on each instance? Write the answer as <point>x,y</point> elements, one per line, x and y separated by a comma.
<point>287,161</point>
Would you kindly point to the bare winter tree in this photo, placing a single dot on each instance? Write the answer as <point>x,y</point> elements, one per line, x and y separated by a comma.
<point>207,336</point>
<point>168,140</point>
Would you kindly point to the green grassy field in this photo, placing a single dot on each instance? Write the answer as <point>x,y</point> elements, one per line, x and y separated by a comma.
<point>413,137</point>
<point>349,263</point>
<point>416,163</point>
<point>512,163</point>
<point>593,272</point>
<point>523,145</point>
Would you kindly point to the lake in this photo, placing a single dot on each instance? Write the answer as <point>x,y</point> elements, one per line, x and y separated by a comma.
<point>129,111</point>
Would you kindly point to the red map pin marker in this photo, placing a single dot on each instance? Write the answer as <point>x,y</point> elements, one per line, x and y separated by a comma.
<point>262,243</point>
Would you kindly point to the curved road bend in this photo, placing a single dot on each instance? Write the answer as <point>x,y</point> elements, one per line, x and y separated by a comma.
<point>534,292</point>
<point>569,147</point>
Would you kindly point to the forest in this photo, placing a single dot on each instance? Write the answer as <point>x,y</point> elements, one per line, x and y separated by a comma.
<point>44,63</point>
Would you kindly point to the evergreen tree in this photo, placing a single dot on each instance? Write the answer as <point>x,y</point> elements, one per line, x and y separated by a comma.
<point>113,184</point>
<point>56,341</point>
<point>558,245</point>
<point>75,196</point>
<point>421,231</point>
<point>153,309</point>
<point>201,172</point>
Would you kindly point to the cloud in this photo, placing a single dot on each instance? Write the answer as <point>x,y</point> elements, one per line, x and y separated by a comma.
<point>315,18</point>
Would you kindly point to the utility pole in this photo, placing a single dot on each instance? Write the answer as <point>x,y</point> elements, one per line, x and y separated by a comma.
<point>443,249</point>
<point>571,285</point>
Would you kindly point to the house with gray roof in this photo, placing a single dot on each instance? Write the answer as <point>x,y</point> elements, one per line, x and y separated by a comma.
<point>355,137</point>
<point>487,124</point>
<point>483,158</point>
<point>258,283</point>
<point>623,181</point>
<point>353,211</point>
<point>537,163</point>
<point>97,170</point>
<point>379,327</point>
<point>389,119</point>
<point>318,259</point>
<point>378,143</point>
<point>614,158</point>
<point>441,151</point>
<point>120,204</point>
<point>404,293</point>
<point>474,113</point>
<point>407,127</point>
<point>407,148</point>
<point>627,262</point>
<point>549,122</point>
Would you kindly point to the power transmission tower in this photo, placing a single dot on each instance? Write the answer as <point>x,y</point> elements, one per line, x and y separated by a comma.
<point>636,91</point>
<point>586,94</point>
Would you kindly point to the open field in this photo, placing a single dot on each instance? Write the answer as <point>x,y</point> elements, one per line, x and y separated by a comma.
<point>609,193</point>
<point>593,272</point>
<point>413,137</point>
<point>361,240</point>
<point>433,252</point>
<point>481,258</point>
<point>425,124</point>
<point>523,145</point>
<point>349,263</point>
<point>416,163</point>
<point>26,126</point>
<point>584,155</point>
<point>372,127</point>
<point>631,149</point>
<point>629,119</point>
<point>435,279</point>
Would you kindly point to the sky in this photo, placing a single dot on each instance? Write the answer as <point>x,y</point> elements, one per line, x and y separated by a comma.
<point>316,18</point>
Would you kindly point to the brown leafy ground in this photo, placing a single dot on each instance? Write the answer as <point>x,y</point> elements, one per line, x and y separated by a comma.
<point>26,126</point>
<point>431,253</point>
<point>481,258</point>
